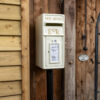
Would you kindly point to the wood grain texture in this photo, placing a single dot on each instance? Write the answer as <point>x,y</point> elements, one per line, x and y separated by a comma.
<point>10,73</point>
<point>17,2</point>
<point>54,6</point>
<point>10,43</point>
<point>97,7</point>
<point>91,24</point>
<point>25,50</point>
<point>85,70</point>
<point>58,84</point>
<point>10,88</point>
<point>58,75</point>
<point>70,42</point>
<point>10,27</point>
<point>17,97</point>
<point>10,12</point>
<point>40,85</point>
<point>10,58</point>
<point>38,76</point>
<point>80,66</point>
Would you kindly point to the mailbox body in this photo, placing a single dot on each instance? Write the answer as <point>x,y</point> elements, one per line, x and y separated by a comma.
<point>50,41</point>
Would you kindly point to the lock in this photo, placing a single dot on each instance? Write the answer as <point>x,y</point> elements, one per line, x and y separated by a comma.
<point>50,41</point>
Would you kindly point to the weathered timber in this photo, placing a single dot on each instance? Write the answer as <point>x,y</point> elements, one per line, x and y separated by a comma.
<point>55,6</point>
<point>80,70</point>
<point>38,76</point>
<point>85,70</point>
<point>70,46</point>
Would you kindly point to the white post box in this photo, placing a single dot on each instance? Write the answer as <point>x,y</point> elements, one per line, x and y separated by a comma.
<point>50,41</point>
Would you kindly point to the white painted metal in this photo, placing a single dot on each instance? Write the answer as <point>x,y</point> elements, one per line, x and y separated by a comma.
<point>50,41</point>
<point>83,57</point>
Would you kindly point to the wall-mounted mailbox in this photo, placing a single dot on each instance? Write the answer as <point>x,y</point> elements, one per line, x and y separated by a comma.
<point>50,41</point>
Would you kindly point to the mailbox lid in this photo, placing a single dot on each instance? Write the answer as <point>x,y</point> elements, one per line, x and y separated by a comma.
<point>53,24</point>
<point>53,18</point>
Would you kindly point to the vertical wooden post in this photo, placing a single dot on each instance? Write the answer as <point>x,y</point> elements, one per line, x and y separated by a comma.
<point>90,64</point>
<point>80,69</point>
<point>85,70</point>
<point>55,6</point>
<point>38,76</point>
<point>25,50</point>
<point>70,13</point>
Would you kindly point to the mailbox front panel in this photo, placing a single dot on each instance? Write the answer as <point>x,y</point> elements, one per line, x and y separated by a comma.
<point>50,41</point>
<point>54,52</point>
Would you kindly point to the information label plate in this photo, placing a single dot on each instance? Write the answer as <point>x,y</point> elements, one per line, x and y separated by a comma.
<point>54,53</point>
<point>83,57</point>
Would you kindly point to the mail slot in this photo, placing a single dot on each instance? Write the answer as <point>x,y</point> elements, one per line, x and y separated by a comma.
<point>50,41</point>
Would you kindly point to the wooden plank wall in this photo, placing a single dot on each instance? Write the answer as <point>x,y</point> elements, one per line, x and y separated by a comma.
<point>85,70</point>
<point>56,6</point>
<point>70,49</point>
<point>12,48</point>
<point>38,76</point>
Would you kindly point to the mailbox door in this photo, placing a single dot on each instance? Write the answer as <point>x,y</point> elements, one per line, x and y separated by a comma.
<point>54,54</point>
